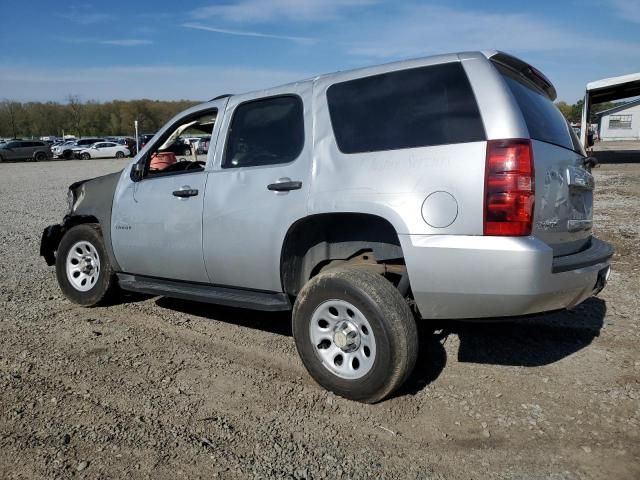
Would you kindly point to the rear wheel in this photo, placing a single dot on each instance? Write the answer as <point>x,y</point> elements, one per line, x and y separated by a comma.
<point>119,154</point>
<point>85,156</point>
<point>83,269</point>
<point>355,333</point>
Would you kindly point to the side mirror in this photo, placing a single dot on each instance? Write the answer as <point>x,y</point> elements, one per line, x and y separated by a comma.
<point>137,171</point>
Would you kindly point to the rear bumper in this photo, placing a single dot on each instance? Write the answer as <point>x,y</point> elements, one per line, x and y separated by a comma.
<point>480,277</point>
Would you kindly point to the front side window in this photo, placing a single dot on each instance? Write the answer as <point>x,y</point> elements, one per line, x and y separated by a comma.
<point>265,132</point>
<point>410,108</point>
<point>620,121</point>
<point>173,154</point>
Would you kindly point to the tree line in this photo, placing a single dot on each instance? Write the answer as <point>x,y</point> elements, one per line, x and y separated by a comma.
<point>82,119</point>
<point>573,112</point>
<point>92,118</point>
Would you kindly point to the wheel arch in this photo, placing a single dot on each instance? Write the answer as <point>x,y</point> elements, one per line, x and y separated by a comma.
<point>53,234</point>
<point>94,201</point>
<point>317,239</point>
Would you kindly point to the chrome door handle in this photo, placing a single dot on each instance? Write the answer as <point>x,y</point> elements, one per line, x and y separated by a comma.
<point>185,192</point>
<point>285,186</point>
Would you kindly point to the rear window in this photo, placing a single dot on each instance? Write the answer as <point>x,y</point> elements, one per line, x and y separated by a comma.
<point>544,121</point>
<point>412,108</point>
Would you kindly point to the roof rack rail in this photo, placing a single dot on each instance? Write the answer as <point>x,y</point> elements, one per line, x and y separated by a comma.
<point>222,96</point>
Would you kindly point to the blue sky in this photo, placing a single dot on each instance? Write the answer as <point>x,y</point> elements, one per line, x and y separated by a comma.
<point>197,50</point>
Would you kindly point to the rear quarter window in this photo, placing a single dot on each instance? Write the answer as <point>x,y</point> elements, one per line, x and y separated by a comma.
<point>410,108</point>
<point>544,121</point>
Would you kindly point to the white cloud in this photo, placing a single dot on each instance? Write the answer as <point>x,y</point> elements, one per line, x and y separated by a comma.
<point>156,82</point>
<point>126,42</point>
<point>85,18</point>
<point>419,30</point>
<point>246,33</point>
<point>257,11</point>
<point>119,42</point>
<point>628,10</point>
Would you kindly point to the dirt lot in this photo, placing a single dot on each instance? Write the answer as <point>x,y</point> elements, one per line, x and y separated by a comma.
<point>157,388</point>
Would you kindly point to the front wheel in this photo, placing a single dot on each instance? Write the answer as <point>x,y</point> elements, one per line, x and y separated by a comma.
<point>83,269</point>
<point>355,333</point>
<point>40,157</point>
<point>119,154</point>
<point>85,156</point>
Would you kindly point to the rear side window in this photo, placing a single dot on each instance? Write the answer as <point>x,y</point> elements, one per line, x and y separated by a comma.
<point>406,109</point>
<point>265,132</point>
<point>544,120</point>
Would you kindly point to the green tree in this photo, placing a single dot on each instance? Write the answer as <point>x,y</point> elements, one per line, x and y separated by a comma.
<point>35,119</point>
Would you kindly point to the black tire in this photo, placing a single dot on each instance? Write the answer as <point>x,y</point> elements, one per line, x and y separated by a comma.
<point>106,284</point>
<point>85,156</point>
<point>40,157</point>
<point>67,154</point>
<point>390,318</point>
<point>119,155</point>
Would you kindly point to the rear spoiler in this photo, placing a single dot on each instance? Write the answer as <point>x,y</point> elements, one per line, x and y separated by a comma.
<point>530,73</point>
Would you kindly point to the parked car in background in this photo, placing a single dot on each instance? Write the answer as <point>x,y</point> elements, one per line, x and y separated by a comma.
<point>130,143</point>
<point>103,150</point>
<point>202,145</point>
<point>25,150</point>
<point>192,141</point>
<point>180,147</point>
<point>68,150</point>
<point>144,139</point>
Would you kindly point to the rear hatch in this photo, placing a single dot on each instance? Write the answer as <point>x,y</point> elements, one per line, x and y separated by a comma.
<point>563,187</point>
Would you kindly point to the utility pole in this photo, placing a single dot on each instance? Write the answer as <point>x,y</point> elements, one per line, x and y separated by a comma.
<point>137,141</point>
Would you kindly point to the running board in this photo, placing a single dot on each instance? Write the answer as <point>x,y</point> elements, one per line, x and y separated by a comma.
<point>231,297</point>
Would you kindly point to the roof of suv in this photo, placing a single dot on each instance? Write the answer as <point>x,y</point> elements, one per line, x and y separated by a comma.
<point>505,59</point>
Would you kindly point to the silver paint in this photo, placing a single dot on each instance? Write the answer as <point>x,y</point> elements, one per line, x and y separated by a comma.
<point>232,233</point>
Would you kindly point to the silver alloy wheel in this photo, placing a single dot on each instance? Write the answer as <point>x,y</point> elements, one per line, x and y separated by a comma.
<point>83,266</point>
<point>343,339</point>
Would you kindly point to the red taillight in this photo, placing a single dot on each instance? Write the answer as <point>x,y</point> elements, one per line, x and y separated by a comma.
<point>509,188</point>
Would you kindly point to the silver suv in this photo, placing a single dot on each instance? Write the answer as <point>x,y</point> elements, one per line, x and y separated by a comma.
<point>439,188</point>
<point>25,150</point>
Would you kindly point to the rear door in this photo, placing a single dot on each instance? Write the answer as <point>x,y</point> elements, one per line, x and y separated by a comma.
<point>258,187</point>
<point>564,188</point>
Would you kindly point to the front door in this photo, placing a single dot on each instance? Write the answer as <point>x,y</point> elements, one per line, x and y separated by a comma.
<point>257,188</point>
<point>156,225</point>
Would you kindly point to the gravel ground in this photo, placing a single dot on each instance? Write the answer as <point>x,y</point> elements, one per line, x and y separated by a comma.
<point>157,388</point>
